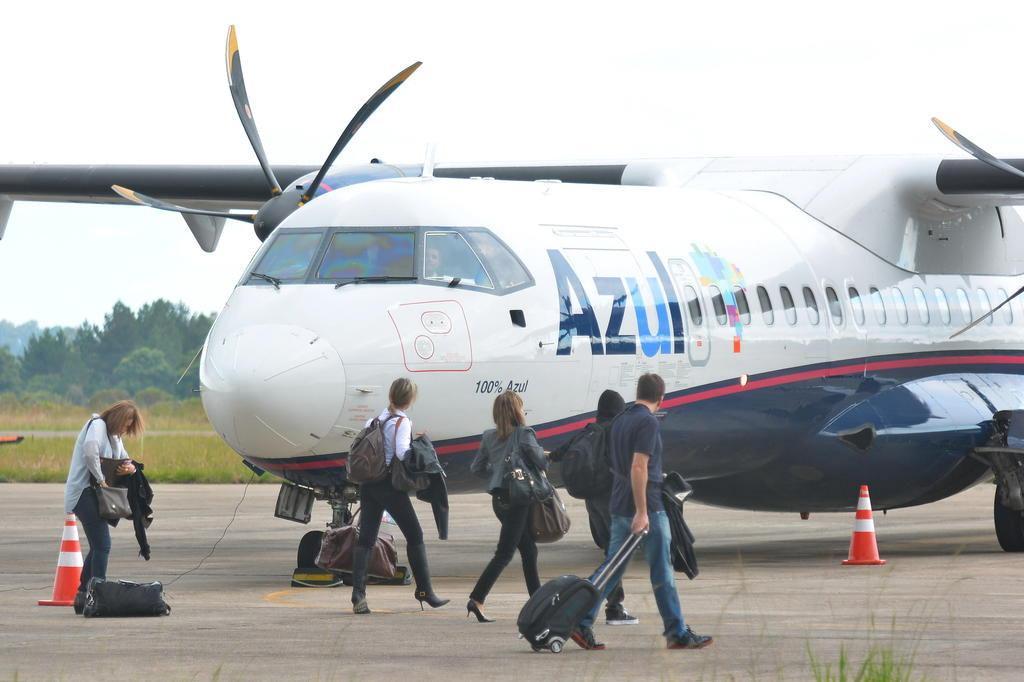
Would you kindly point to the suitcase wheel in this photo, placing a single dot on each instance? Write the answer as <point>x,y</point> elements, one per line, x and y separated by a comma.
<point>556,645</point>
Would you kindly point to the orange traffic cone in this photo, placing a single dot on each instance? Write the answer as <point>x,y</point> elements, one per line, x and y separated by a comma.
<point>863,548</point>
<point>69,566</point>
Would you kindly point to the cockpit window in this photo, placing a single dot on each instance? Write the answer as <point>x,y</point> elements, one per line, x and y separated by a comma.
<point>447,256</point>
<point>505,268</point>
<point>369,254</point>
<point>289,256</point>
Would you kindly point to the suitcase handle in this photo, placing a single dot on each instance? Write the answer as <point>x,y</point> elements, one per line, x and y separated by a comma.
<point>618,559</point>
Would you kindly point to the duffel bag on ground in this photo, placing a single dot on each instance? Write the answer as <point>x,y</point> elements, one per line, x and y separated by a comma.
<point>116,598</point>
<point>338,546</point>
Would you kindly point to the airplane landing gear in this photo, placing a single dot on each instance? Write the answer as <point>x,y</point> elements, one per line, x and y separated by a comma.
<point>309,546</point>
<point>1009,523</point>
<point>1006,457</point>
<point>295,503</point>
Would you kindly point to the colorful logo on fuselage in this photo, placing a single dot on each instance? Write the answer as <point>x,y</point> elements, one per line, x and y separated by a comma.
<point>714,270</point>
<point>665,334</point>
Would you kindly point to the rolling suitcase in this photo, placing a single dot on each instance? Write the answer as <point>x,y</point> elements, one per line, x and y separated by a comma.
<point>547,620</point>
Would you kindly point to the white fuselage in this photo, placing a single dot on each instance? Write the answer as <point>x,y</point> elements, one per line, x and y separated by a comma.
<point>289,375</point>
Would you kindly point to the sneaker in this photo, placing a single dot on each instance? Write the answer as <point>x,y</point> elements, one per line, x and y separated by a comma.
<point>619,616</point>
<point>584,637</point>
<point>689,640</point>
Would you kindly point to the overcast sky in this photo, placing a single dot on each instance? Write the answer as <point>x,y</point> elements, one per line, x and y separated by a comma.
<point>145,83</point>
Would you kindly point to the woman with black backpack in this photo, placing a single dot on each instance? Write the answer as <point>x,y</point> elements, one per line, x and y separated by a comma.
<point>511,444</point>
<point>380,496</point>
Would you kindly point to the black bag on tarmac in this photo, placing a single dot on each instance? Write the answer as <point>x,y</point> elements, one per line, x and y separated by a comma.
<point>116,598</point>
<point>547,620</point>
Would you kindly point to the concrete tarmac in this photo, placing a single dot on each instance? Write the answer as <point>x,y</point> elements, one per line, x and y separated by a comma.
<point>771,591</point>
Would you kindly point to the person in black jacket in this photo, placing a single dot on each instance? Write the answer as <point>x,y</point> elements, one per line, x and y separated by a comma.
<point>599,510</point>
<point>500,448</point>
<point>609,405</point>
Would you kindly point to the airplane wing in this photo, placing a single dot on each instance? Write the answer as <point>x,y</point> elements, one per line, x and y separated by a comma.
<point>222,188</point>
<point>212,186</point>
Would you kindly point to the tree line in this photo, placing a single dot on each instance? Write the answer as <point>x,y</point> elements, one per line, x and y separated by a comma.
<point>132,354</point>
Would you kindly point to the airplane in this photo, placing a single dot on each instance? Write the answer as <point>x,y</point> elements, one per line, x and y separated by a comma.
<point>821,323</point>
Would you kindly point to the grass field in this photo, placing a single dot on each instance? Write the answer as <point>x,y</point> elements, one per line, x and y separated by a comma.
<point>168,459</point>
<point>178,415</point>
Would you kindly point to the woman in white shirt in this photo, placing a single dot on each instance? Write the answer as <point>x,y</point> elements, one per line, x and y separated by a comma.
<point>100,437</point>
<point>376,498</point>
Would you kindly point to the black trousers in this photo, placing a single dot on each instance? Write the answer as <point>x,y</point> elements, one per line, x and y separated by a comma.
<point>375,499</point>
<point>515,534</point>
<point>599,511</point>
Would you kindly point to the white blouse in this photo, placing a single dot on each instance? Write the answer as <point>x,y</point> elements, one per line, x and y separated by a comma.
<point>393,442</point>
<point>92,443</point>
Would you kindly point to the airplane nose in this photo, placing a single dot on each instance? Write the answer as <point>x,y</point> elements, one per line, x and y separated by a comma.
<point>272,390</point>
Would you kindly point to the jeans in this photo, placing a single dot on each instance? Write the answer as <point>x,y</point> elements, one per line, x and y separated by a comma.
<point>657,550</point>
<point>375,499</point>
<point>515,534</point>
<point>97,532</point>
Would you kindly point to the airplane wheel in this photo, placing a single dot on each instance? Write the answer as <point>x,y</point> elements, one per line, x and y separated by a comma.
<point>309,547</point>
<point>1009,526</point>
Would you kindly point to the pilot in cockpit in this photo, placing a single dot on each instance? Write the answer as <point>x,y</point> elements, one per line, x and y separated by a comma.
<point>448,258</point>
<point>432,264</point>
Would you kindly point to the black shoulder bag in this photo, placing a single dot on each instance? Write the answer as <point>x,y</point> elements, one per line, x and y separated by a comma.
<point>522,485</point>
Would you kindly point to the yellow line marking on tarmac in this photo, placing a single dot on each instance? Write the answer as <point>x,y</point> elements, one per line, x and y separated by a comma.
<point>280,598</point>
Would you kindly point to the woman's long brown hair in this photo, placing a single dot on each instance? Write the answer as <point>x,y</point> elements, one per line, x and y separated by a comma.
<point>123,418</point>
<point>508,413</point>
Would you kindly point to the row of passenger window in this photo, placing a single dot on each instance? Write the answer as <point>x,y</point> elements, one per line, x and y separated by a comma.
<point>962,309</point>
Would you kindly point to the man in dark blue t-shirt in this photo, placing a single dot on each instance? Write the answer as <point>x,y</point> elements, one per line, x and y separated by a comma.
<point>635,458</point>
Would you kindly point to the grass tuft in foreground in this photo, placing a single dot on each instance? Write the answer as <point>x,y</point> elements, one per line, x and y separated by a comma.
<point>881,664</point>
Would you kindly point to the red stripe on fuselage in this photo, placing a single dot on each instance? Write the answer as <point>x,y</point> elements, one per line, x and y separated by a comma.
<point>298,466</point>
<point>543,433</point>
<point>708,394</point>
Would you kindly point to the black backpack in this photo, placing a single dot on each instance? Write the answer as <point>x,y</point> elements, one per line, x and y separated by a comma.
<point>585,466</point>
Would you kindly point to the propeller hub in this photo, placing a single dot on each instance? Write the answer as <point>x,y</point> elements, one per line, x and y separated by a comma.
<point>272,213</point>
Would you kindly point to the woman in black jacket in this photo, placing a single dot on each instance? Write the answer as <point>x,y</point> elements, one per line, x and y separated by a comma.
<point>497,446</point>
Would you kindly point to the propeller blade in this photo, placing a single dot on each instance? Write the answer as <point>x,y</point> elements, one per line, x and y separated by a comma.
<point>143,200</point>
<point>236,83</point>
<point>357,121</point>
<point>989,313</point>
<point>975,151</point>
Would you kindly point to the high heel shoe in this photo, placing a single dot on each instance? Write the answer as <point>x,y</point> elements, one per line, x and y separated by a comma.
<point>418,563</point>
<point>430,599</point>
<point>474,608</point>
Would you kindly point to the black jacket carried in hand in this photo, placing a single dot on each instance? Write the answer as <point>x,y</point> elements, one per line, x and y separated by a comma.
<point>673,492</point>
<point>140,499</point>
<point>437,495</point>
<point>421,458</point>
